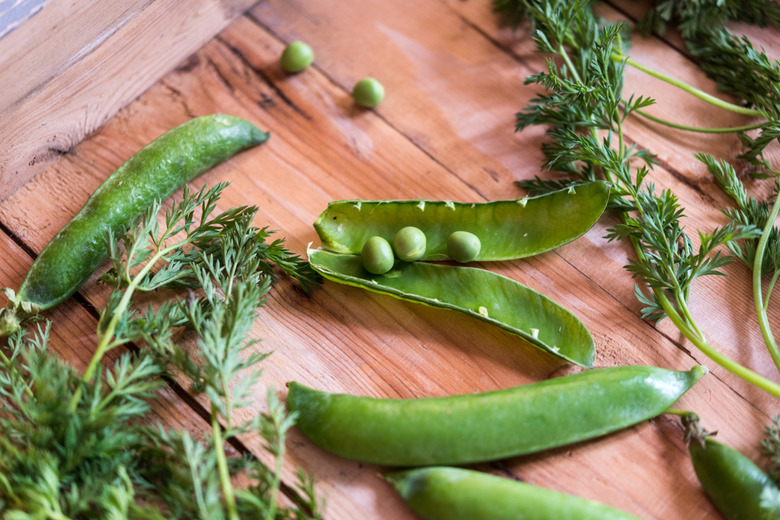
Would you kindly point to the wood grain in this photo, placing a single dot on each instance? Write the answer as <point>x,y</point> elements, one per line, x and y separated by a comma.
<point>454,80</point>
<point>75,64</point>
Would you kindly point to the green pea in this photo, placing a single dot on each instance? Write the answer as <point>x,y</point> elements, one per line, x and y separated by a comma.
<point>733,482</point>
<point>463,246</point>
<point>368,92</point>
<point>296,57</point>
<point>409,244</point>
<point>152,174</point>
<point>444,493</point>
<point>377,255</point>
<point>480,427</point>
<point>482,294</point>
<point>507,229</point>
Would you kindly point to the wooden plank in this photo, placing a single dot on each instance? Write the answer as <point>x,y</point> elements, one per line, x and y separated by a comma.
<point>95,58</point>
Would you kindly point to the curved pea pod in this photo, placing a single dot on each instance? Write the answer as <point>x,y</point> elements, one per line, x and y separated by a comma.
<point>151,174</point>
<point>507,229</point>
<point>479,427</point>
<point>738,488</point>
<point>445,493</point>
<point>482,294</point>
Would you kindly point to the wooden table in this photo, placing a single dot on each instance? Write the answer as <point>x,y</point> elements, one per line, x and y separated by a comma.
<point>454,80</point>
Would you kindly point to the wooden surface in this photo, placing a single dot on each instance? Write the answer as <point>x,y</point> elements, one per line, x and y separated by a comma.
<point>454,80</point>
<point>72,65</point>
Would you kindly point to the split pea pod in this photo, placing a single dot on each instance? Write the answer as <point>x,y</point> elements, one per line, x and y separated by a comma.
<point>445,493</point>
<point>479,427</point>
<point>507,229</point>
<point>150,175</point>
<point>482,294</point>
<point>737,487</point>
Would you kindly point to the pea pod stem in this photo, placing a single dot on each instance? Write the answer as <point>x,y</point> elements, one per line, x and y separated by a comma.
<point>761,303</point>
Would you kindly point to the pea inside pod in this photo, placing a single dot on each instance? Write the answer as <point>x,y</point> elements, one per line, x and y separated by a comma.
<point>482,294</point>
<point>507,229</point>
<point>377,255</point>
<point>445,493</point>
<point>463,246</point>
<point>409,244</point>
<point>479,427</point>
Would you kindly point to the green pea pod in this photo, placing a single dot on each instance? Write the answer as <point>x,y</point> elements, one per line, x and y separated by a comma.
<point>507,229</point>
<point>444,493</point>
<point>482,294</point>
<point>737,487</point>
<point>479,427</point>
<point>152,174</point>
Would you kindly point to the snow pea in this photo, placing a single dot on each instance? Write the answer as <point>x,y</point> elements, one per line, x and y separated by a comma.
<point>479,427</point>
<point>151,174</point>
<point>445,493</point>
<point>482,294</point>
<point>507,229</point>
<point>735,485</point>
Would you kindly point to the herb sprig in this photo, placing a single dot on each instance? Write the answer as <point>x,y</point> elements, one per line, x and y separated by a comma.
<point>76,446</point>
<point>584,107</point>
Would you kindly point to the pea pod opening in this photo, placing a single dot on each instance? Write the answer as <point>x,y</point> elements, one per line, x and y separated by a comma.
<point>737,487</point>
<point>446,493</point>
<point>151,174</point>
<point>486,426</point>
<point>482,294</point>
<point>507,229</point>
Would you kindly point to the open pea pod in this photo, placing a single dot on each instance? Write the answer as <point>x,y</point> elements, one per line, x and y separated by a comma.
<point>482,294</point>
<point>507,229</point>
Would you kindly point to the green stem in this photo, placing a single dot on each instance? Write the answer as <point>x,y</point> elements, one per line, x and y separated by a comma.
<point>769,288</point>
<point>760,303</point>
<point>105,344</point>
<point>7,362</point>
<point>224,474</point>
<point>723,130</point>
<point>277,481</point>
<point>567,59</point>
<point>724,361</point>
<point>677,411</point>
<point>686,314</point>
<point>620,57</point>
<point>688,88</point>
<point>692,333</point>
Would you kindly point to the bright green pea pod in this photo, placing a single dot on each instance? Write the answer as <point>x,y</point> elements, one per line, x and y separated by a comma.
<point>152,174</point>
<point>737,487</point>
<point>479,427</point>
<point>482,294</point>
<point>444,493</point>
<point>507,229</point>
